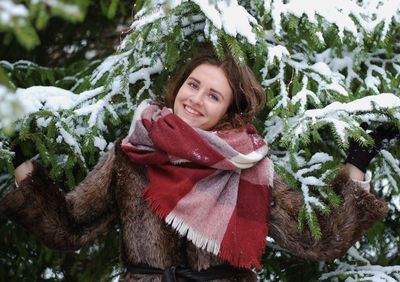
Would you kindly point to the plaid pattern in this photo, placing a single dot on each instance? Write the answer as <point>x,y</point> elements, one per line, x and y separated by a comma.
<point>213,187</point>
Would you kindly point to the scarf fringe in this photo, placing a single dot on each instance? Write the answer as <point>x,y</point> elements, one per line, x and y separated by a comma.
<point>212,246</point>
<point>185,230</point>
<point>197,239</point>
<point>239,261</point>
<point>155,207</point>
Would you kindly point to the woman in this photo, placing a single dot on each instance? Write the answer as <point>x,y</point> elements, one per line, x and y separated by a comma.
<point>138,179</point>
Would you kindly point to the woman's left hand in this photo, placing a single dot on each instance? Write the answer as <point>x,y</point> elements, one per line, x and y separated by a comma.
<point>360,156</point>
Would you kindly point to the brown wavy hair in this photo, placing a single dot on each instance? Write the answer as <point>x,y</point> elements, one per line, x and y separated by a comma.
<point>248,95</point>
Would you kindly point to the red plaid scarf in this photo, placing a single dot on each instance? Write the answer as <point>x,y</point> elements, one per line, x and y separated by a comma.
<point>213,187</point>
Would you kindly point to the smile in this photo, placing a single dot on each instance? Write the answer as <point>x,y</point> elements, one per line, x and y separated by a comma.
<point>192,111</point>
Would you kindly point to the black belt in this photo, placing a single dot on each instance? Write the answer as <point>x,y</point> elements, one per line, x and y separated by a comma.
<point>170,274</point>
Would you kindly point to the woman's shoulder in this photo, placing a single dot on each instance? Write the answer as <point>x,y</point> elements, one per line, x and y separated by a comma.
<point>122,161</point>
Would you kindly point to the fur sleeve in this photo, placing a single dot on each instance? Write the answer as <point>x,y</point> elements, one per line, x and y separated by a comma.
<point>63,221</point>
<point>345,225</point>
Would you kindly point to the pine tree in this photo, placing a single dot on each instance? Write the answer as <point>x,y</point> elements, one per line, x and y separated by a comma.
<point>326,66</point>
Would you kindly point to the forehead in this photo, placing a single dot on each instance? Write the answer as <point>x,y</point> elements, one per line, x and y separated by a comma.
<point>207,69</point>
<point>211,75</point>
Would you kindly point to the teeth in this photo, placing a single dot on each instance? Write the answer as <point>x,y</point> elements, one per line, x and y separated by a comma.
<point>190,110</point>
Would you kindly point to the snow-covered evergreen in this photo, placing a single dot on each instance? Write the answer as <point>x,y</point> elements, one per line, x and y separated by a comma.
<point>326,66</point>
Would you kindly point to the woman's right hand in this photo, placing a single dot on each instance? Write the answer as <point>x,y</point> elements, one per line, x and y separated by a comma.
<point>22,171</point>
<point>360,156</point>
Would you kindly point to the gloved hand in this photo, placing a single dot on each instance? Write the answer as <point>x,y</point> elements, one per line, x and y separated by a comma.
<point>361,156</point>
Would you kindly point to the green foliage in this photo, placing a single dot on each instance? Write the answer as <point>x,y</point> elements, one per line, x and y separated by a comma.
<point>34,15</point>
<point>91,263</point>
<point>314,71</point>
<point>22,257</point>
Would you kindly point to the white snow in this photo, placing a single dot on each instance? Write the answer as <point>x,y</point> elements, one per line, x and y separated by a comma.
<point>48,98</point>
<point>70,140</point>
<point>321,68</point>
<point>100,143</point>
<point>382,101</point>
<point>335,113</point>
<point>236,20</point>
<point>8,10</point>
<point>276,52</point>
<point>227,15</point>
<point>369,14</point>
<point>11,107</point>
<point>371,272</point>
<point>65,7</point>
<point>355,19</point>
<point>53,99</point>
<point>107,66</point>
<point>320,157</point>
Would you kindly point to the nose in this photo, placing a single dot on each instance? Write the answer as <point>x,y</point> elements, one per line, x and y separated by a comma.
<point>197,98</point>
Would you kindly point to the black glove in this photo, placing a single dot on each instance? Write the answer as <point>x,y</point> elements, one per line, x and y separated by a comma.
<point>360,155</point>
<point>19,157</point>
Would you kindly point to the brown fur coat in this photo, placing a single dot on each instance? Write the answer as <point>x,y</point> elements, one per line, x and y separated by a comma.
<point>112,191</point>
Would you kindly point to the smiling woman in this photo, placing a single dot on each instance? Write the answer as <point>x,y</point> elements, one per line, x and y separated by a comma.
<point>204,97</point>
<point>218,80</point>
<point>192,188</point>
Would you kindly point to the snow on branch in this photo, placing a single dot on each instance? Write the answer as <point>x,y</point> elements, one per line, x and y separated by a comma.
<point>352,16</point>
<point>51,105</point>
<point>73,10</point>
<point>24,19</point>
<point>340,114</point>
<point>394,163</point>
<point>365,104</point>
<point>53,99</point>
<point>109,65</point>
<point>144,73</point>
<point>319,71</point>
<point>367,272</point>
<point>230,16</point>
<point>227,15</point>
<point>11,108</point>
<point>10,10</point>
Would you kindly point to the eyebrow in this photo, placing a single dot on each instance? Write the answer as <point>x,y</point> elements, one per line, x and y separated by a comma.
<point>212,89</point>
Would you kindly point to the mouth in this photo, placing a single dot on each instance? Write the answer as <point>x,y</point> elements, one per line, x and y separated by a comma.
<point>192,111</point>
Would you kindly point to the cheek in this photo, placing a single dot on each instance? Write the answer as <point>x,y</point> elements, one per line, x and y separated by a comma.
<point>224,109</point>
<point>178,99</point>
<point>219,113</point>
<point>175,105</point>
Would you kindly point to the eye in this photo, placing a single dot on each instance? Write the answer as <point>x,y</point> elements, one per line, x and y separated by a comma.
<point>213,96</point>
<point>193,85</point>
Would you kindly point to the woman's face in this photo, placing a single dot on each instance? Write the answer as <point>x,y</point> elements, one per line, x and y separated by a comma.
<point>204,97</point>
